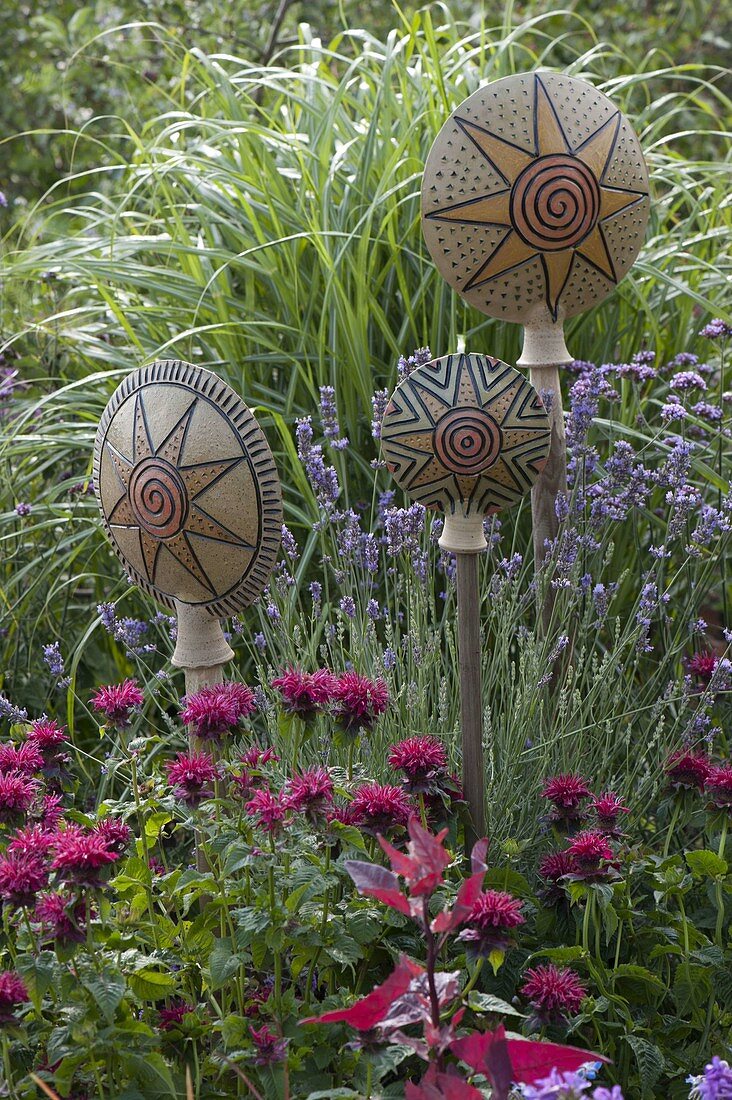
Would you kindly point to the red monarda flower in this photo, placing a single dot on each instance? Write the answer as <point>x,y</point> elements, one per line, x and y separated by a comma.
<point>305,693</point>
<point>687,770</point>
<point>269,1046</point>
<point>359,701</point>
<point>269,810</point>
<point>218,708</point>
<point>702,665</point>
<point>47,734</point>
<point>62,917</point>
<point>490,921</point>
<point>554,992</point>
<point>17,793</point>
<point>12,993</point>
<point>24,759</point>
<point>719,786</point>
<point>589,849</point>
<point>33,840</point>
<point>608,808</point>
<point>21,877</point>
<point>117,701</point>
<point>191,775</point>
<point>311,792</point>
<point>566,791</point>
<point>423,761</point>
<point>172,1016</point>
<point>556,865</point>
<point>379,808</point>
<point>257,758</point>
<point>115,833</point>
<point>81,856</point>
<point>51,810</point>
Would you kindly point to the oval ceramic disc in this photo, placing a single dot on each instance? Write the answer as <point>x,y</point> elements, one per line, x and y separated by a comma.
<point>188,488</point>
<point>465,431</point>
<point>535,197</point>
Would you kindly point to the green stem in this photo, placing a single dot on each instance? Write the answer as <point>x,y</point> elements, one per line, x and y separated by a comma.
<point>586,924</point>
<point>7,1064</point>
<point>723,838</point>
<point>351,750</point>
<point>672,826</point>
<point>473,978</point>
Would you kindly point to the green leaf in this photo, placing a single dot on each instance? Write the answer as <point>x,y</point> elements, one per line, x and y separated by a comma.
<point>505,878</point>
<point>631,972</point>
<point>38,973</point>
<point>650,1061</point>
<point>561,954</point>
<point>486,1002</point>
<point>151,985</point>
<point>223,963</point>
<point>151,1072</point>
<point>155,823</point>
<point>706,864</point>
<point>107,988</point>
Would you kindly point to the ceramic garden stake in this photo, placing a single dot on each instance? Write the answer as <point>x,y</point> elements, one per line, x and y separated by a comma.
<point>466,435</point>
<point>534,206</point>
<point>190,499</point>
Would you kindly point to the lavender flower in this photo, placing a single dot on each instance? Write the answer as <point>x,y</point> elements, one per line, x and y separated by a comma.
<point>260,642</point>
<point>717,329</point>
<point>322,478</point>
<point>288,543</point>
<point>417,359</point>
<point>379,401</point>
<point>316,594</point>
<point>11,712</point>
<point>714,1084</point>
<point>348,606</point>
<point>22,509</point>
<point>329,419</point>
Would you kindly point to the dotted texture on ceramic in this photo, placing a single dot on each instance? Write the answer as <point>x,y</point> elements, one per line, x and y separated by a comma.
<point>188,488</point>
<point>465,432</point>
<point>535,197</point>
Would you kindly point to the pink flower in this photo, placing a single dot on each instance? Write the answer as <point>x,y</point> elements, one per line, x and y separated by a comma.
<point>566,791</point>
<point>24,759</point>
<point>51,811</point>
<point>554,992</point>
<point>552,869</point>
<point>269,810</point>
<point>17,793</point>
<point>719,786</point>
<point>33,840</point>
<point>156,866</point>
<point>378,808</point>
<point>172,1017</point>
<point>62,917</point>
<point>115,834</point>
<point>47,734</point>
<point>81,856</point>
<point>589,850</point>
<point>423,760</point>
<point>269,1046</point>
<point>687,770</point>
<point>21,877</point>
<point>608,808</point>
<point>256,757</point>
<point>12,993</point>
<point>253,776</point>
<point>117,701</point>
<point>311,792</point>
<point>217,709</point>
<point>702,665</point>
<point>490,921</point>
<point>360,701</point>
<point>191,775</point>
<point>305,693</point>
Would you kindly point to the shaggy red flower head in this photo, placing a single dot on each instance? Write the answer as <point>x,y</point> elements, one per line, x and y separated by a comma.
<point>567,792</point>
<point>270,1047</point>
<point>687,770</point>
<point>191,776</point>
<point>310,792</point>
<point>379,808</point>
<point>719,786</point>
<point>17,793</point>
<point>117,701</point>
<point>13,993</point>
<point>589,850</point>
<point>702,665</point>
<point>423,761</point>
<point>305,693</point>
<point>115,833</point>
<point>81,856</point>
<point>489,924</point>
<point>552,869</point>
<point>553,992</point>
<point>608,808</point>
<point>21,877</point>
<point>33,840</point>
<point>51,811</point>
<point>62,918</point>
<point>172,1017</point>
<point>253,777</point>
<point>359,701</point>
<point>218,708</point>
<point>257,758</point>
<point>24,759</point>
<point>268,810</point>
<point>47,734</point>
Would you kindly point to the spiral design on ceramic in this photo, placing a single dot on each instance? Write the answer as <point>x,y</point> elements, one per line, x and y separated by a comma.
<point>467,441</point>
<point>555,203</point>
<point>158,497</point>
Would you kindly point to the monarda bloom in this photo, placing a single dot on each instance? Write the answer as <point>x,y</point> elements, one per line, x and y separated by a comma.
<point>268,810</point>
<point>25,759</point>
<point>215,710</point>
<point>552,870</point>
<point>47,735</point>
<point>311,793</point>
<point>172,1016</point>
<point>687,770</point>
<point>115,834</point>
<point>269,1047</point>
<point>554,992</point>
<point>117,702</point>
<point>81,857</point>
<point>608,808</point>
<point>17,793</point>
<point>490,923</point>
<point>378,808</point>
<point>305,694</point>
<point>718,787</point>
<point>702,666</point>
<point>423,761</point>
<point>191,775</point>
<point>21,877</point>
<point>567,794</point>
<point>33,840</point>
<point>13,993</point>
<point>590,851</point>
<point>62,918</point>
<point>359,701</point>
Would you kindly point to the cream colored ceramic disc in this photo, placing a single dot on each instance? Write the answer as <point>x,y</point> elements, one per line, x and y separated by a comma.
<point>188,488</point>
<point>535,197</point>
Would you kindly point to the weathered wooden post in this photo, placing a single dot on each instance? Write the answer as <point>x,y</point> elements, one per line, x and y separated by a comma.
<point>466,435</point>
<point>534,206</point>
<point>190,499</point>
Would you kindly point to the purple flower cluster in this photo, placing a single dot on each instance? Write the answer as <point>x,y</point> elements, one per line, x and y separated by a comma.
<point>329,419</point>
<point>322,478</point>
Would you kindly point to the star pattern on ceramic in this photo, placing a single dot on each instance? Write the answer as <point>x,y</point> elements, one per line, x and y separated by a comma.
<point>555,202</point>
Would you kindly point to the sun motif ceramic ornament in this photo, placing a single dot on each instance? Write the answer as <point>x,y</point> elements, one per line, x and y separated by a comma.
<point>188,488</point>
<point>467,435</point>
<point>535,198</point>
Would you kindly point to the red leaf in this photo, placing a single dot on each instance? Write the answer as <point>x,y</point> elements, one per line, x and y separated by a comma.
<point>487,1052</point>
<point>478,854</point>
<point>401,863</point>
<point>441,1086</point>
<point>467,896</point>
<point>370,1010</point>
<point>531,1060</point>
<point>378,882</point>
<point>425,860</point>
